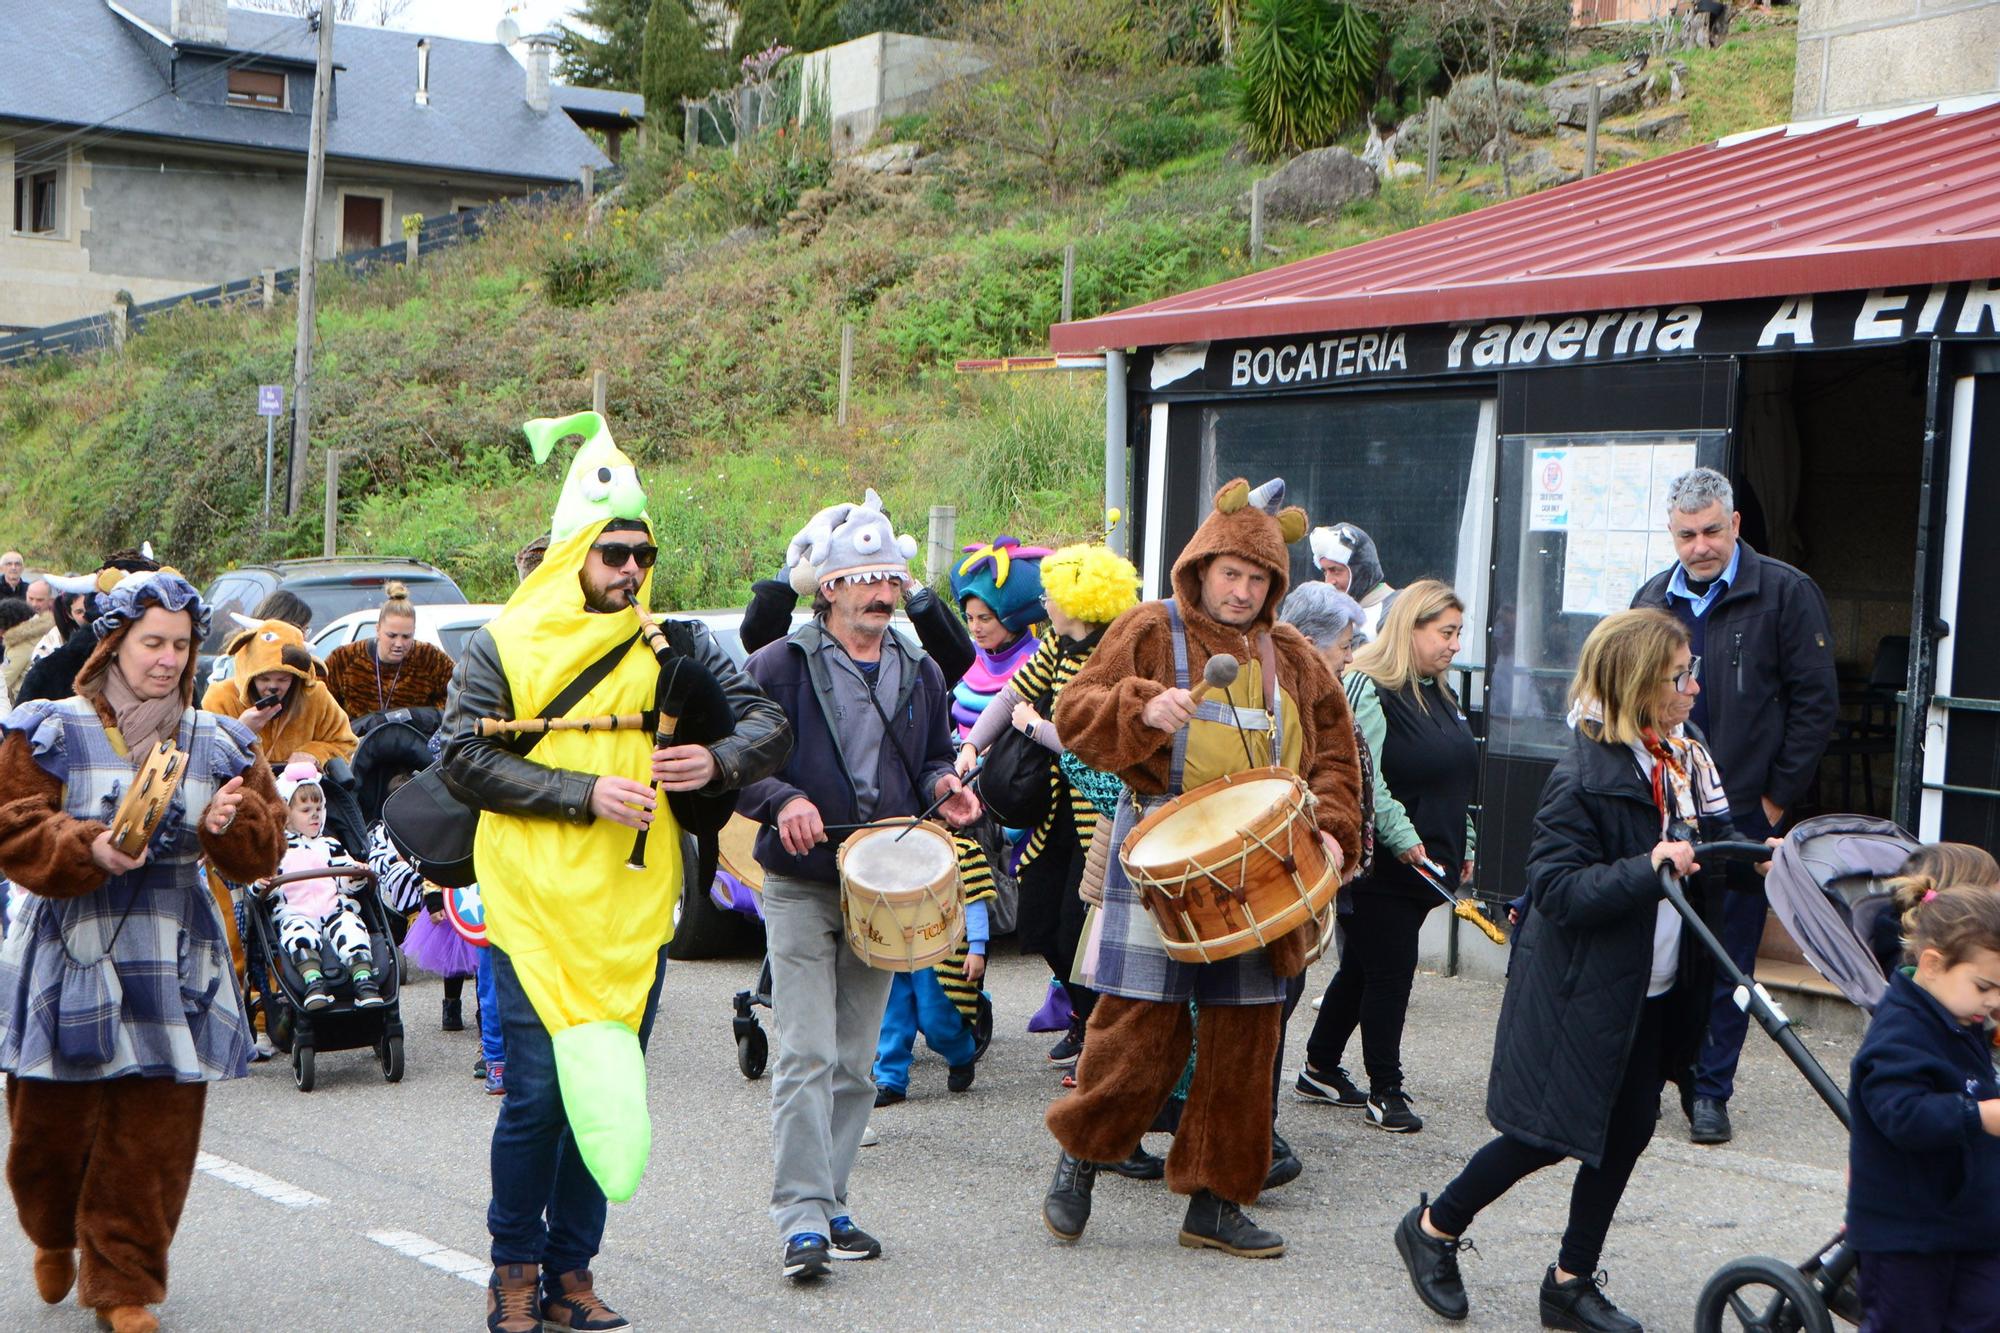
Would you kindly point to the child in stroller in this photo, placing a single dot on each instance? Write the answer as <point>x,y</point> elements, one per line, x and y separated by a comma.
<point>309,912</point>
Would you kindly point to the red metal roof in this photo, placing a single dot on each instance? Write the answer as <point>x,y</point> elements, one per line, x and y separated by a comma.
<point>1891,200</point>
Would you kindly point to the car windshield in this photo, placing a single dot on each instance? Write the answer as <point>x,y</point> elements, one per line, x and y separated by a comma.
<point>331,601</point>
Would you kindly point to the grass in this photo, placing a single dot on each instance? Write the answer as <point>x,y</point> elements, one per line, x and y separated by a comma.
<point>713,300</point>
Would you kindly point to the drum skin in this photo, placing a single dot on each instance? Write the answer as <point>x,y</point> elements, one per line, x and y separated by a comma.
<point>901,901</point>
<point>1234,865</point>
<point>146,801</point>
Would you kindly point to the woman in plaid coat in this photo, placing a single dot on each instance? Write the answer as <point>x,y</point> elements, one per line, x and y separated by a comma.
<point>117,1003</point>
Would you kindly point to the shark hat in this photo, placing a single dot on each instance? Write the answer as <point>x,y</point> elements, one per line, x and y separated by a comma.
<point>861,547</point>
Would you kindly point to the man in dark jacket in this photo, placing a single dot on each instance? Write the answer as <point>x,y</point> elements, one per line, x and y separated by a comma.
<point>871,719</point>
<point>1769,697</point>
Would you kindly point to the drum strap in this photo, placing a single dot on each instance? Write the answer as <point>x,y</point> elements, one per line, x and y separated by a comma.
<point>1218,710</point>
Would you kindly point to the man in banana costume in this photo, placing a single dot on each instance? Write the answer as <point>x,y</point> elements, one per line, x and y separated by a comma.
<point>579,939</point>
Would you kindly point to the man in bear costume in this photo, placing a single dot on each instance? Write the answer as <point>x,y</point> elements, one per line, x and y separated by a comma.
<point>1130,711</point>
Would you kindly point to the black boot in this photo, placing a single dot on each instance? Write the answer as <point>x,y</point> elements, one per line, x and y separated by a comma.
<point>1141,1165</point>
<point>1066,1210</point>
<point>1433,1263</point>
<point>1708,1121</point>
<point>1285,1164</point>
<point>1215,1223</point>
<point>454,1015</point>
<point>1581,1306</point>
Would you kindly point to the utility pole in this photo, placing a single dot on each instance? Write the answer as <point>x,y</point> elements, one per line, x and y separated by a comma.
<point>302,355</point>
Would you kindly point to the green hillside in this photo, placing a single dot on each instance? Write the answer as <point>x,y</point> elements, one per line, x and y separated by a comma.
<point>712,293</point>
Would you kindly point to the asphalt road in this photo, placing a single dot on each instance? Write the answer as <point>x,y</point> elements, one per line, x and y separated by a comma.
<point>362,1205</point>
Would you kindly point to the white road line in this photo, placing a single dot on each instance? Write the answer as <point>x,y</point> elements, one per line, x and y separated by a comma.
<point>263,1186</point>
<point>427,1251</point>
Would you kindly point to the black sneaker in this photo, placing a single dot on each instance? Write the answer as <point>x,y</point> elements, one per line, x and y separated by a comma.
<point>1066,1209</point>
<point>1285,1164</point>
<point>1581,1306</point>
<point>1708,1122</point>
<point>367,991</point>
<point>1141,1165</point>
<point>479,1068</point>
<point>850,1241</point>
<point>1391,1111</point>
<point>1433,1263</point>
<point>317,995</point>
<point>1064,1052</point>
<point>806,1257</point>
<point>890,1096</point>
<point>1329,1089</point>
<point>959,1079</point>
<point>1215,1223</point>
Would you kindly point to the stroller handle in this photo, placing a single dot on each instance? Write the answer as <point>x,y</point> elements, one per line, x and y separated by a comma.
<point>1733,851</point>
<point>330,872</point>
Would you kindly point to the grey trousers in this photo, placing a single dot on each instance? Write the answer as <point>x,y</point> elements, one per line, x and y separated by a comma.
<point>828,1008</point>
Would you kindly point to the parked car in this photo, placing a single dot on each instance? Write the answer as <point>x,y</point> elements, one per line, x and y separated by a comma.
<point>331,586</point>
<point>445,627</point>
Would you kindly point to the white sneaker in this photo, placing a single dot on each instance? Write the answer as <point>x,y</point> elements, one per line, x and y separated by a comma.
<point>265,1050</point>
<point>869,1138</point>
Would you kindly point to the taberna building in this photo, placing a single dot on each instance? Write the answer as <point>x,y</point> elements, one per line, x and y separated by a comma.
<point>1499,399</point>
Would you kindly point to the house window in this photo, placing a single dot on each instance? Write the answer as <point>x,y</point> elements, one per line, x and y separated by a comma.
<point>35,198</point>
<point>251,87</point>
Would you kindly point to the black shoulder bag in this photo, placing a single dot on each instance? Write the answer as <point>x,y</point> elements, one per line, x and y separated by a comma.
<point>1017,781</point>
<point>433,830</point>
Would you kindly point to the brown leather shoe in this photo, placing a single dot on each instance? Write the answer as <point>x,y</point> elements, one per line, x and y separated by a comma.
<point>55,1274</point>
<point>513,1300</point>
<point>573,1303</point>
<point>127,1319</point>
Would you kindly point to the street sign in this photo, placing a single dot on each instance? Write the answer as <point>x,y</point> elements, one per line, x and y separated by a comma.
<point>270,400</point>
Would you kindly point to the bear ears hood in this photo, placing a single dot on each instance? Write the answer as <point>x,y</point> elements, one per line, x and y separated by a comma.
<point>1253,525</point>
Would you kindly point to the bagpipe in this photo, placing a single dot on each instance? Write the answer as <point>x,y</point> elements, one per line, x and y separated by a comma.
<point>690,707</point>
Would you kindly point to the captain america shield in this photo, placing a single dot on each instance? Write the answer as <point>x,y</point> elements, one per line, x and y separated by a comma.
<point>467,913</point>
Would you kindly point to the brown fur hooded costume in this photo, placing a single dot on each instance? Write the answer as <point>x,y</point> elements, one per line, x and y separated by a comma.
<point>311,722</point>
<point>1135,1050</point>
<point>103,1165</point>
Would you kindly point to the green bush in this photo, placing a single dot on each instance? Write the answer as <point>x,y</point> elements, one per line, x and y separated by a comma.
<point>763,182</point>
<point>1304,70</point>
<point>582,274</point>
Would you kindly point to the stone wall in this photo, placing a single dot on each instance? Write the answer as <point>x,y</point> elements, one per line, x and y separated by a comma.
<point>1864,55</point>
<point>882,75</point>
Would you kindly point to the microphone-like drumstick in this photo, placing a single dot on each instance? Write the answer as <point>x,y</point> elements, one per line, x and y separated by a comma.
<point>1220,673</point>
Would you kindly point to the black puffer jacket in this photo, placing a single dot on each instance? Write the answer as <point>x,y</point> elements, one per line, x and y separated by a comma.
<point>1577,980</point>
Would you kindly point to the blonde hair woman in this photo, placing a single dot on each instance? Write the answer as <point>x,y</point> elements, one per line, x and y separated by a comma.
<point>1602,997</point>
<point>1425,765</point>
<point>394,669</point>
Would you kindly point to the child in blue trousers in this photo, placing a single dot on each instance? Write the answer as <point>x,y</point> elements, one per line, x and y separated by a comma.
<point>1923,1201</point>
<point>940,1001</point>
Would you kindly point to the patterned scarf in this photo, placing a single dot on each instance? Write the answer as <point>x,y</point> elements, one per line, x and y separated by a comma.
<point>1685,783</point>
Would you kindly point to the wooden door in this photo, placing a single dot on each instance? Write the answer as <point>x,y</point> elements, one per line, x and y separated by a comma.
<point>360,222</point>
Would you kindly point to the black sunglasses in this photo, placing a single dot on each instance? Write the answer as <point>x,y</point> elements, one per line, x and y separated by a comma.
<point>615,554</point>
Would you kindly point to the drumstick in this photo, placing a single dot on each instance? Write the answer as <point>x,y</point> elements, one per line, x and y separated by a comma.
<point>930,810</point>
<point>1219,674</point>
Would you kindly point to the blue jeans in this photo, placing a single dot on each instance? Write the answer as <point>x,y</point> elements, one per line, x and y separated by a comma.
<point>491,1048</point>
<point>917,1003</point>
<point>547,1208</point>
<point>1742,929</point>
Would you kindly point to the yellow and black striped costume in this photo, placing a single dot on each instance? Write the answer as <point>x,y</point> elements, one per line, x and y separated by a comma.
<point>976,877</point>
<point>1040,681</point>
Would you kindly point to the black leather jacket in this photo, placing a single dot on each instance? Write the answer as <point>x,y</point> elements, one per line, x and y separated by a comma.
<point>484,773</point>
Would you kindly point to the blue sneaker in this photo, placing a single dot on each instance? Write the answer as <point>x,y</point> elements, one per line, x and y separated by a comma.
<point>805,1257</point>
<point>851,1242</point>
<point>496,1078</point>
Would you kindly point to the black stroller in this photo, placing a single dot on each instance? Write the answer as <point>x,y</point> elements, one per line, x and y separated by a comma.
<point>339,1026</point>
<point>1826,887</point>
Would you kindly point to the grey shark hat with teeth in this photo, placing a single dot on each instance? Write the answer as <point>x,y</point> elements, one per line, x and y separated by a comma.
<point>861,547</point>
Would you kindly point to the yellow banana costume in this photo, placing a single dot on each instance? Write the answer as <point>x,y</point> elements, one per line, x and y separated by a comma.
<point>581,929</point>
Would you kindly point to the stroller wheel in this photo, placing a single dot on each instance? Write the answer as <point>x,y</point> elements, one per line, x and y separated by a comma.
<point>302,1067</point>
<point>390,1052</point>
<point>753,1050</point>
<point>1760,1295</point>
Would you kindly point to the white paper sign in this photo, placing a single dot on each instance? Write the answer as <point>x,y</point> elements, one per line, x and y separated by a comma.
<point>1548,490</point>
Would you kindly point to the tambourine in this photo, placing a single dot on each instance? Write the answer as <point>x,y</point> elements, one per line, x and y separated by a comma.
<point>146,801</point>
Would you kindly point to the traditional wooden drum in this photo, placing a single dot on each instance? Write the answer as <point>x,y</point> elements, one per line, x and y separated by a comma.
<point>901,899</point>
<point>146,800</point>
<point>1234,865</point>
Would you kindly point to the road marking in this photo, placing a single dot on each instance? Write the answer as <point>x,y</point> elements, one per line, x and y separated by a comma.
<point>427,1251</point>
<point>263,1186</point>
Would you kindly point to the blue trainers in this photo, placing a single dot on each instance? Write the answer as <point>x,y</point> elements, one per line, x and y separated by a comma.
<point>496,1078</point>
<point>805,1257</point>
<point>851,1242</point>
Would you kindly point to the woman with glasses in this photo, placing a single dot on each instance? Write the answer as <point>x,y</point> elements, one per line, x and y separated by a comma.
<point>1605,999</point>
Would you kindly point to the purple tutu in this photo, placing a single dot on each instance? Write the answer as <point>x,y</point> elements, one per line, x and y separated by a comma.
<point>436,947</point>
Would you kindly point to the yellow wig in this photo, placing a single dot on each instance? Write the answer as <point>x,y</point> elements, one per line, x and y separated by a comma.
<point>1090,582</point>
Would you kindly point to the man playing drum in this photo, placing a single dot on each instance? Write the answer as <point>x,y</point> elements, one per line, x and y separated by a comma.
<point>1130,711</point>
<point>871,721</point>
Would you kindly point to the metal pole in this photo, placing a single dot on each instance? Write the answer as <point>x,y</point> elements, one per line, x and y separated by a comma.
<point>1590,131</point>
<point>332,501</point>
<point>1256,222</point>
<point>939,542</point>
<point>1069,282</point>
<point>1114,452</point>
<point>270,454</point>
<point>598,393</point>
<point>846,367</point>
<point>308,259</point>
<point>1431,153</point>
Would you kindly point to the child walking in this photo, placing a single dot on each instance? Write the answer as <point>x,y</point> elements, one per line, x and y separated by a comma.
<point>1923,1202</point>
<point>312,911</point>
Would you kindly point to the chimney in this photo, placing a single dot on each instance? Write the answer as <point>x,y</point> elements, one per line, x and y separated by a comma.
<point>423,71</point>
<point>539,47</point>
<point>202,21</point>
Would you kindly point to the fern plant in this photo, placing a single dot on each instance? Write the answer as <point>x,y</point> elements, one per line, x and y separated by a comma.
<point>1304,69</point>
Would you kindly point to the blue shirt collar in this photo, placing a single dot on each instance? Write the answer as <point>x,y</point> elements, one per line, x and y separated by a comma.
<point>1677,586</point>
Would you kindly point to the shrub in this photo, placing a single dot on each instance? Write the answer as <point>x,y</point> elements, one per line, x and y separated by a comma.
<point>576,275</point>
<point>1304,69</point>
